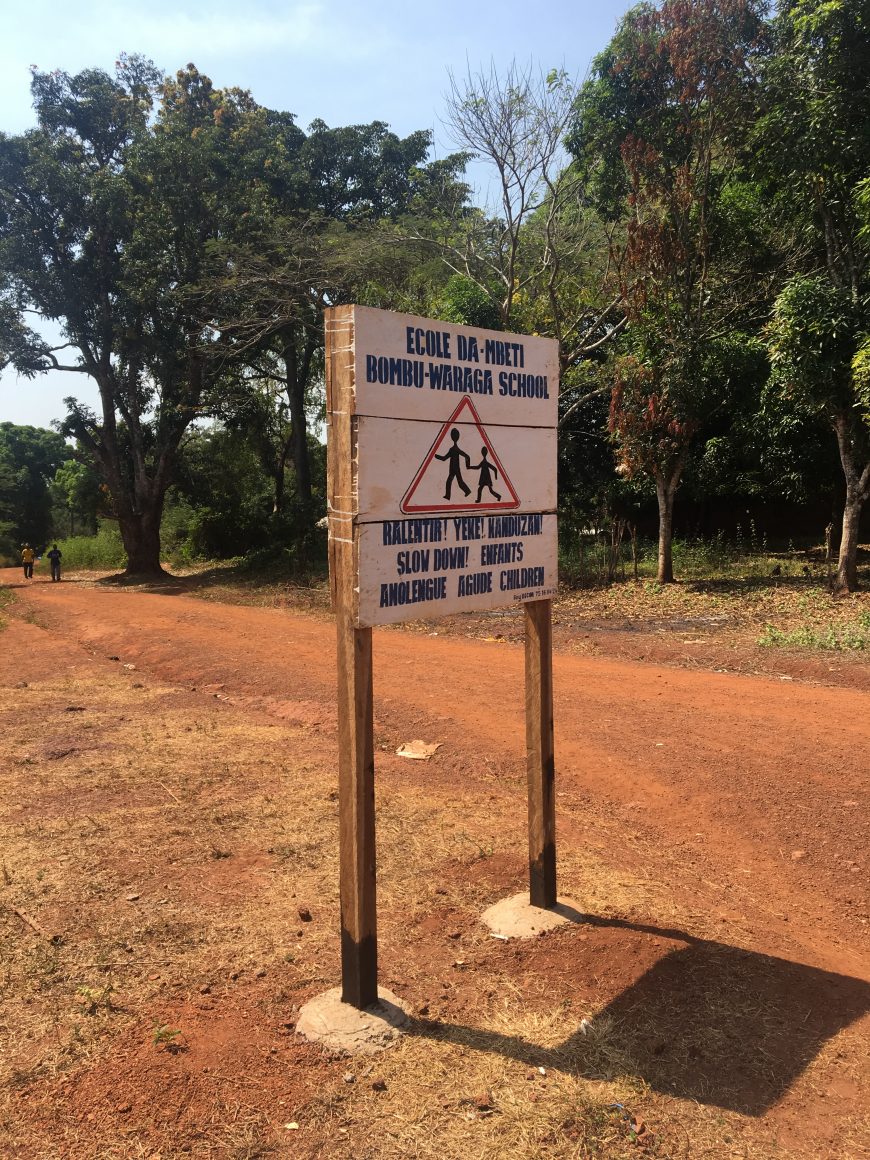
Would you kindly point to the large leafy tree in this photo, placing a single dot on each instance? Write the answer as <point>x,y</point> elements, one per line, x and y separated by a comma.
<point>657,130</point>
<point>106,212</point>
<point>813,149</point>
<point>184,238</point>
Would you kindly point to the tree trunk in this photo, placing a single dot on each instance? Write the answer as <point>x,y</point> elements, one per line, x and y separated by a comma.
<point>297,376</point>
<point>847,566</point>
<point>278,500</point>
<point>141,536</point>
<point>850,441</point>
<point>665,491</point>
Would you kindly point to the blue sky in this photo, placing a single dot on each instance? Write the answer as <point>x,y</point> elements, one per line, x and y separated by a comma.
<point>346,62</point>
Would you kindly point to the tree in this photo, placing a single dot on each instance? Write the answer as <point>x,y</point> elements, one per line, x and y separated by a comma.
<point>812,147</point>
<point>323,232</point>
<point>812,336</point>
<point>657,131</point>
<point>106,215</point>
<point>65,221</point>
<point>29,458</point>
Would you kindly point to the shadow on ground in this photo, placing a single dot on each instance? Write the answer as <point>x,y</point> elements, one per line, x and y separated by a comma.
<point>707,1022</point>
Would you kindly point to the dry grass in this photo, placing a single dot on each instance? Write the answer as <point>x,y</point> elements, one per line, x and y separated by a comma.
<point>5,601</point>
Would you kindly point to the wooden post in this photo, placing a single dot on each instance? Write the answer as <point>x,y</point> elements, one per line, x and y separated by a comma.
<point>540,763</point>
<point>356,766</point>
<point>356,805</point>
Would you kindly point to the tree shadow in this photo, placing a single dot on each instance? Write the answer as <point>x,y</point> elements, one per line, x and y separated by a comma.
<point>242,575</point>
<point>707,1022</point>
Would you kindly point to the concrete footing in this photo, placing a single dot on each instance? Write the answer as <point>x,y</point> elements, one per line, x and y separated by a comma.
<point>516,917</point>
<point>345,1030</point>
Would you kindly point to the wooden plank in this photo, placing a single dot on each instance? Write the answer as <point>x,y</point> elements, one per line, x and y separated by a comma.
<point>356,782</point>
<point>425,346</point>
<point>391,453</point>
<point>540,760</point>
<point>341,451</point>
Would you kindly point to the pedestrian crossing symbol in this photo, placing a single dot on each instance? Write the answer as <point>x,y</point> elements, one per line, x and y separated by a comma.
<point>462,471</point>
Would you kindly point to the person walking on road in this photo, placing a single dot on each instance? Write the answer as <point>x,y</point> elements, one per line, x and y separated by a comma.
<point>54,559</point>
<point>27,557</point>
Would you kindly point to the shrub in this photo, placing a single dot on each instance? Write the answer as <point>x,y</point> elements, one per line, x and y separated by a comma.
<point>97,553</point>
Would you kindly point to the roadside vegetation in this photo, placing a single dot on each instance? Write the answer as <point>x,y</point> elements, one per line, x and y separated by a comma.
<point>692,223</point>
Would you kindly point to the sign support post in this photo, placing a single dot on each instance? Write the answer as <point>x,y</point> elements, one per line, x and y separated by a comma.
<point>356,763</point>
<point>540,762</point>
<point>356,806</point>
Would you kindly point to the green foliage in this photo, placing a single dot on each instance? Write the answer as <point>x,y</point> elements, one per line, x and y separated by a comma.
<point>222,504</point>
<point>848,637</point>
<point>165,1036</point>
<point>466,303</point>
<point>812,336</point>
<point>29,458</point>
<point>97,553</point>
<point>75,492</point>
<point>812,140</point>
<point>812,148</point>
<point>673,74</point>
<point>656,130</point>
<point>861,376</point>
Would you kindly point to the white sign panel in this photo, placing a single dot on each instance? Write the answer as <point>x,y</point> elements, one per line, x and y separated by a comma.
<point>454,478</point>
<point>440,468</point>
<point>415,368</point>
<point>434,566</point>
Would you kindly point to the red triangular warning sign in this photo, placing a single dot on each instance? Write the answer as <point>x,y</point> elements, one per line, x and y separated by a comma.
<point>462,470</point>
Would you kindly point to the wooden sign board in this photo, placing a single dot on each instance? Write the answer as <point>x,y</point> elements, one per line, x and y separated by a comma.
<point>449,502</point>
<point>441,473</point>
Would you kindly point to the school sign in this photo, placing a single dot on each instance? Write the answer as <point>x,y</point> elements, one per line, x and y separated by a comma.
<point>442,498</point>
<point>452,494</point>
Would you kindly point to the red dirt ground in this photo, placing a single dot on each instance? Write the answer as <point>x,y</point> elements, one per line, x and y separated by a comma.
<point>746,796</point>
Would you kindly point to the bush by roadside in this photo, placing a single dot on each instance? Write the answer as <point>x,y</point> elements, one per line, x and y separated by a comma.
<point>104,550</point>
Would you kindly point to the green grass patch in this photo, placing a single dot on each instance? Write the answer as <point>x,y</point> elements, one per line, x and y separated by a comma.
<point>849,636</point>
<point>94,553</point>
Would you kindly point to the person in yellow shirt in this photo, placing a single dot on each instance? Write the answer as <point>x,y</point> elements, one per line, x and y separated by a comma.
<point>27,557</point>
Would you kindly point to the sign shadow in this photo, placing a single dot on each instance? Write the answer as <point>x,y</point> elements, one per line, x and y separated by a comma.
<point>709,1022</point>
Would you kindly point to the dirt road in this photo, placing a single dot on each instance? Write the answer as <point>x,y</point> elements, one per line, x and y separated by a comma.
<point>741,802</point>
<point>760,786</point>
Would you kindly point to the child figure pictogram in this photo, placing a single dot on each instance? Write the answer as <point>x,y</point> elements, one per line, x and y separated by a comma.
<point>453,456</point>
<point>487,471</point>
